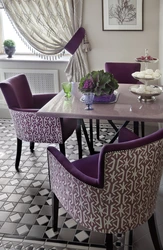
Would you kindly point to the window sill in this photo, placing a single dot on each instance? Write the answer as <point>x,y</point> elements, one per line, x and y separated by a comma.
<point>32,58</point>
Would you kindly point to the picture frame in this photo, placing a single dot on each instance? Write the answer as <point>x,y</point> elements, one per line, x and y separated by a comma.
<point>125,15</point>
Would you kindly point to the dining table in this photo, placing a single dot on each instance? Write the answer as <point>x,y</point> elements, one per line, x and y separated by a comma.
<point>127,107</point>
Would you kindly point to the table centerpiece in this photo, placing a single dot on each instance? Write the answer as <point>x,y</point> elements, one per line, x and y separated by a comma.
<point>102,84</point>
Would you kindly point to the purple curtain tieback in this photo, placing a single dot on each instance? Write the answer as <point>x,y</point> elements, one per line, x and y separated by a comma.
<point>75,41</point>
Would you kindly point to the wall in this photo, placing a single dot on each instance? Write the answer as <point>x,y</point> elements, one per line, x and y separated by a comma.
<point>161,40</point>
<point>161,46</point>
<point>110,45</point>
<point>120,45</point>
<point>1,38</point>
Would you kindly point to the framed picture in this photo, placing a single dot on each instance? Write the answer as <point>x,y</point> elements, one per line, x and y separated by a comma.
<point>122,14</point>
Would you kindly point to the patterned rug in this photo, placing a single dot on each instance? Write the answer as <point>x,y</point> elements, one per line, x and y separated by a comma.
<point>25,199</point>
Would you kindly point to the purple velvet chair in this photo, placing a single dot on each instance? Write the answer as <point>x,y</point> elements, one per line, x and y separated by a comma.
<point>113,191</point>
<point>122,71</point>
<point>29,126</point>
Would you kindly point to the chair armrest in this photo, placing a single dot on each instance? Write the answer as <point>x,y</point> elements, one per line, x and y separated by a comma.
<point>40,100</point>
<point>67,165</point>
<point>25,110</point>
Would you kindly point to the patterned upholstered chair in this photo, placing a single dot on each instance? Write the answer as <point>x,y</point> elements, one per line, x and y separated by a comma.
<point>113,191</point>
<point>29,126</point>
<point>122,71</point>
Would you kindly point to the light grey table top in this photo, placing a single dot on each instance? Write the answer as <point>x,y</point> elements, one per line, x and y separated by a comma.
<point>126,108</point>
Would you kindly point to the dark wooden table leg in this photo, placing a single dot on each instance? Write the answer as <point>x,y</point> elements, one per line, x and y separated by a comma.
<point>117,133</point>
<point>89,144</point>
<point>154,233</point>
<point>136,127</point>
<point>91,132</point>
<point>79,138</point>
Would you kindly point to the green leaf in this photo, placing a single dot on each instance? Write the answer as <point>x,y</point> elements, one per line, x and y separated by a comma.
<point>104,82</point>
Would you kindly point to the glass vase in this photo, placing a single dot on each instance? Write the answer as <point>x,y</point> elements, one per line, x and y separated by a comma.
<point>67,89</point>
<point>88,100</point>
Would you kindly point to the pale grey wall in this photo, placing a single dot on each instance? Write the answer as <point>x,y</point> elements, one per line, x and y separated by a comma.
<point>110,45</point>
<point>1,38</point>
<point>161,40</point>
<point>120,45</point>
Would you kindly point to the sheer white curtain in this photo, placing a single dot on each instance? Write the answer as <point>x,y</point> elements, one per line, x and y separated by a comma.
<point>48,25</point>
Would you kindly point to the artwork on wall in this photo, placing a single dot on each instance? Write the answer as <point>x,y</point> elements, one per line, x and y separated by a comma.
<point>122,14</point>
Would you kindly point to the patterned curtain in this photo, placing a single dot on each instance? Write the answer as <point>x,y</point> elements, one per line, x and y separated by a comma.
<point>48,25</point>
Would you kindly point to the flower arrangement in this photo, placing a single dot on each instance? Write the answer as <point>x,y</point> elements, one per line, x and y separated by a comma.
<point>98,82</point>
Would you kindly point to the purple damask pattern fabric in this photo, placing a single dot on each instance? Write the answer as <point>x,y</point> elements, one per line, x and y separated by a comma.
<point>30,127</point>
<point>131,182</point>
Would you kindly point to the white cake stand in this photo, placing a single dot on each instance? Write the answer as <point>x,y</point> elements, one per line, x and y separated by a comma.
<point>145,97</point>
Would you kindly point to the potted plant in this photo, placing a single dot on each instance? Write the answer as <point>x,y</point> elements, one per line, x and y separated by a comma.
<point>101,83</point>
<point>9,46</point>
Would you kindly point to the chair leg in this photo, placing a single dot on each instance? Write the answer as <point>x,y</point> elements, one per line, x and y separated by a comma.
<point>117,133</point>
<point>98,129</point>
<point>18,154</point>
<point>154,233</point>
<point>109,242</point>
<point>113,125</point>
<point>32,145</point>
<point>91,132</point>
<point>55,206</point>
<point>142,129</point>
<point>62,148</point>
<point>89,144</point>
<point>130,240</point>
<point>136,127</point>
<point>79,139</point>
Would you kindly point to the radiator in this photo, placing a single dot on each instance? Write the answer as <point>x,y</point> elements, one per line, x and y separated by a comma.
<point>40,81</point>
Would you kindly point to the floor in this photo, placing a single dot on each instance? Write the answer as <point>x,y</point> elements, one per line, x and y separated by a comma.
<point>25,202</point>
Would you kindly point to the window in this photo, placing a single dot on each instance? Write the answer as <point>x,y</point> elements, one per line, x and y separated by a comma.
<point>10,33</point>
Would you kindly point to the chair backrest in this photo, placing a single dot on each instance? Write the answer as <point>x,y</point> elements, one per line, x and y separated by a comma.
<point>130,173</point>
<point>122,71</point>
<point>17,92</point>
